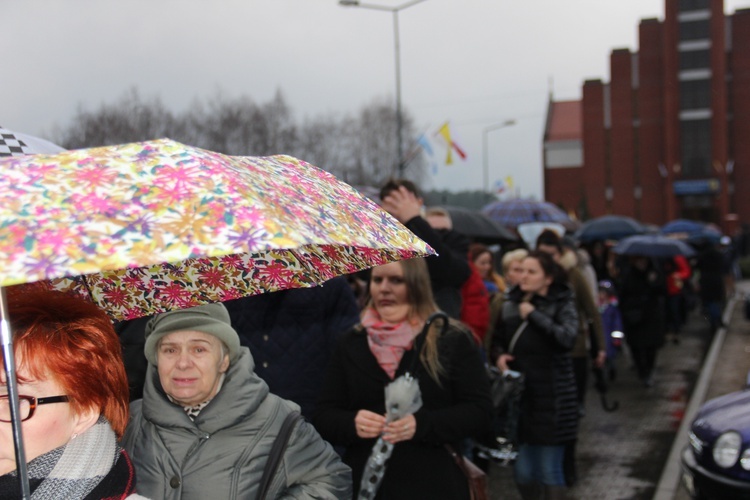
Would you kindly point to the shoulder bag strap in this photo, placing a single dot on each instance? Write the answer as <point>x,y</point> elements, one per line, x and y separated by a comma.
<point>277,451</point>
<point>513,341</point>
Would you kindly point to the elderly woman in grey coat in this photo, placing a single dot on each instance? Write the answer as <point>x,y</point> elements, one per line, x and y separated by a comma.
<point>207,423</point>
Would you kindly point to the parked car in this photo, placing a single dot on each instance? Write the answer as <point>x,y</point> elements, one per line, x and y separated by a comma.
<point>716,461</point>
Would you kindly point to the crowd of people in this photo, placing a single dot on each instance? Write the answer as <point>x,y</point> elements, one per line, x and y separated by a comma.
<point>284,395</point>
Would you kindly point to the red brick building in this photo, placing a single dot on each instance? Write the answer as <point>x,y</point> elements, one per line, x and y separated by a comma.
<point>669,136</point>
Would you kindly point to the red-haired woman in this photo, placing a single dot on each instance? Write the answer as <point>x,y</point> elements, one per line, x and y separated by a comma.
<point>73,399</point>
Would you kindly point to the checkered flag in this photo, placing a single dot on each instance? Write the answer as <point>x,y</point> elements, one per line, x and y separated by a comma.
<point>15,144</point>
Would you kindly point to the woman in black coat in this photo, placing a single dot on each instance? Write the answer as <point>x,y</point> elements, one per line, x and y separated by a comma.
<point>541,309</point>
<point>454,387</point>
<point>642,292</point>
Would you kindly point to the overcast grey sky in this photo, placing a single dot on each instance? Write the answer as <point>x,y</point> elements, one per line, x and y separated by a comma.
<point>472,62</point>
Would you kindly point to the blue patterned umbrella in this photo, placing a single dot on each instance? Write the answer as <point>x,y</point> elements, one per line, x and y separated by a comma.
<point>511,213</point>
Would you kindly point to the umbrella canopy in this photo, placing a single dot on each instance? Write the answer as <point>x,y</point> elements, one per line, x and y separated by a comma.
<point>609,227</point>
<point>152,226</point>
<point>511,213</point>
<point>478,226</point>
<point>691,231</point>
<point>18,144</point>
<point>653,245</point>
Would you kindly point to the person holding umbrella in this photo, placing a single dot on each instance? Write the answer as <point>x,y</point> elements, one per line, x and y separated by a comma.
<point>207,423</point>
<point>390,342</point>
<point>73,395</point>
<point>449,269</point>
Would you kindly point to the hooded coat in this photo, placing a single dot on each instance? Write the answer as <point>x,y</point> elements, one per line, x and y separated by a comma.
<point>549,409</point>
<point>222,453</point>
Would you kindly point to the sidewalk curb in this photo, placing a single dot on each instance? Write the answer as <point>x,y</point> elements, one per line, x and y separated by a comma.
<point>669,482</point>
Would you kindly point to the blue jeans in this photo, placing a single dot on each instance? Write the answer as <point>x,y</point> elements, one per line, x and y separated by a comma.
<point>540,464</point>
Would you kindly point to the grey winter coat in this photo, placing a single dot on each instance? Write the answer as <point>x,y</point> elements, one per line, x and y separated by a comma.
<point>223,452</point>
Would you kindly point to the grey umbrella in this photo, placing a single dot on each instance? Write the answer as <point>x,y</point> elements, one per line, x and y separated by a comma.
<point>478,226</point>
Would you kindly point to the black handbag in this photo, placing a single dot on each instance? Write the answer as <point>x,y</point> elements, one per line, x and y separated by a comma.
<point>506,389</point>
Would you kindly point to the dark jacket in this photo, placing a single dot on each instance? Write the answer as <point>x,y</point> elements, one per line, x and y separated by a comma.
<point>641,301</point>
<point>711,274</point>
<point>460,408</point>
<point>549,409</point>
<point>448,270</point>
<point>292,333</point>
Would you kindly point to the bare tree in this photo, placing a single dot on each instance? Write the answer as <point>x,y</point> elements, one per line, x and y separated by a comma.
<point>128,120</point>
<point>359,149</point>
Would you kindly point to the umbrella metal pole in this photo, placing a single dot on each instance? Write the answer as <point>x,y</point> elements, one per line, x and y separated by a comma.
<point>12,385</point>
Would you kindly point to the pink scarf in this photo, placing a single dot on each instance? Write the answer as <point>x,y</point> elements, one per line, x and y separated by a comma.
<point>388,341</point>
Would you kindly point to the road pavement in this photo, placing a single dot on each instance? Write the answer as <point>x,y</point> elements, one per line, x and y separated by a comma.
<point>632,453</point>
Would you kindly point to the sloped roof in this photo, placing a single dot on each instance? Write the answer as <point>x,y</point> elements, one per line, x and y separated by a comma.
<point>565,121</point>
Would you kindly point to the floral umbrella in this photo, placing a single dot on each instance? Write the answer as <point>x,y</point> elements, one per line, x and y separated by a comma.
<point>147,227</point>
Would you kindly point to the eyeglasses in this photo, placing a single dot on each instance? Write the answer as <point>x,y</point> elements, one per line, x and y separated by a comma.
<point>27,405</point>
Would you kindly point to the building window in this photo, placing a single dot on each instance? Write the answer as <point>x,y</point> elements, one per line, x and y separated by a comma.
<point>694,59</point>
<point>694,4</point>
<point>695,94</point>
<point>695,146</point>
<point>695,30</point>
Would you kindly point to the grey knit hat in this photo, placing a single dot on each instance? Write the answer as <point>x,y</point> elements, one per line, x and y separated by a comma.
<point>210,318</point>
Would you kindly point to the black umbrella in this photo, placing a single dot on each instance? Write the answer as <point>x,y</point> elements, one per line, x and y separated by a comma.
<point>609,227</point>
<point>478,226</point>
<point>653,245</point>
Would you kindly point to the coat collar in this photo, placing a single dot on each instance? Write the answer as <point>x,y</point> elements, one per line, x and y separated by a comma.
<point>241,394</point>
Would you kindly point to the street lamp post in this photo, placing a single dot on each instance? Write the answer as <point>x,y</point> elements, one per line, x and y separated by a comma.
<point>490,128</point>
<point>399,119</point>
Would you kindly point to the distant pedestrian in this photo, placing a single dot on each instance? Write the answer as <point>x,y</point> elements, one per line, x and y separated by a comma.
<point>475,299</point>
<point>448,270</point>
<point>612,325</point>
<point>677,272</point>
<point>641,290</point>
<point>710,267</point>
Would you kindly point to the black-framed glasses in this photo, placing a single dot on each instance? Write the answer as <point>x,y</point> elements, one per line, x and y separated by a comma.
<point>27,404</point>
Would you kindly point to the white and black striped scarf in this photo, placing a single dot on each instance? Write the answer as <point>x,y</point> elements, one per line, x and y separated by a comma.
<point>71,471</point>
